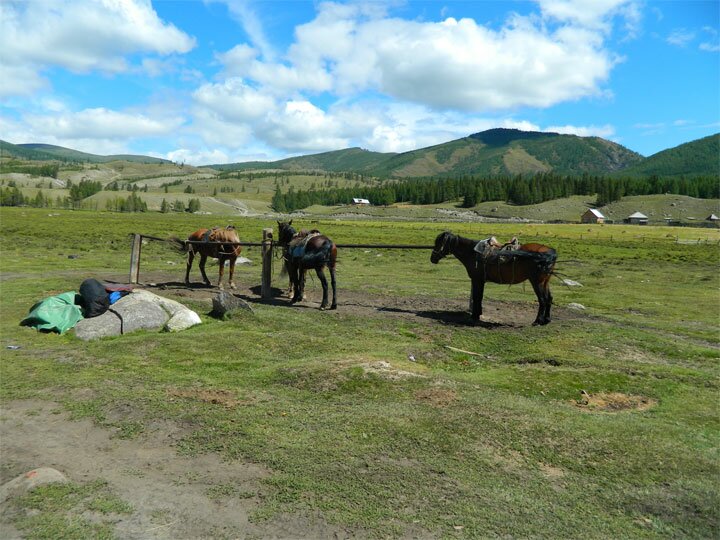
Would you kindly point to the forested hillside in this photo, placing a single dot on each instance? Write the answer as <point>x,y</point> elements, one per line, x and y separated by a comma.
<point>694,158</point>
<point>520,190</point>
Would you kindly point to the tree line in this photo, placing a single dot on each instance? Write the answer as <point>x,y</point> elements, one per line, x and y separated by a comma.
<point>519,190</point>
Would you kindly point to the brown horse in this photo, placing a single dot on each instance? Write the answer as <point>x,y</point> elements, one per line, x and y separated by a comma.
<point>308,251</point>
<point>534,262</point>
<point>209,243</point>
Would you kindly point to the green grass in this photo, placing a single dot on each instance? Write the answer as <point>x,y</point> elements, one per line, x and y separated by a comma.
<point>495,443</point>
<point>64,510</point>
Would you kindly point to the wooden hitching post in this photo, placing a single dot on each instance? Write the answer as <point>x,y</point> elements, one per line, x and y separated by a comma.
<point>266,287</point>
<point>135,258</point>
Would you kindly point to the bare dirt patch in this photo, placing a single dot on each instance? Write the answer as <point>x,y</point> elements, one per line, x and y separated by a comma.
<point>173,496</point>
<point>217,397</point>
<point>614,402</point>
<point>451,311</point>
<point>437,397</point>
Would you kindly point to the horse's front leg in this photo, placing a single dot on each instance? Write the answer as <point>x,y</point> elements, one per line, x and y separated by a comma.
<point>476,290</point>
<point>203,260</point>
<point>190,258</point>
<point>323,281</point>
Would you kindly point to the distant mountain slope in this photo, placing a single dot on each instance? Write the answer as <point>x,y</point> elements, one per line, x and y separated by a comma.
<point>700,157</point>
<point>492,152</point>
<point>511,151</point>
<point>9,150</point>
<point>35,151</point>
<point>346,160</point>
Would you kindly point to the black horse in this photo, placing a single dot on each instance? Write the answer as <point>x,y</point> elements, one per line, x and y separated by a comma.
<point>308,251</point>
<point>534,262</point>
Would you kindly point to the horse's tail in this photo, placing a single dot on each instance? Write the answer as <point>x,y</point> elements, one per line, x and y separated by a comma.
<point>177,243</point>
<point>545,260</point>
<point>323,256</point>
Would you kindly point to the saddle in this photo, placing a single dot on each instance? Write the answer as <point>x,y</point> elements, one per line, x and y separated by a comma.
<point>492,251</point>
<point>296,246</point>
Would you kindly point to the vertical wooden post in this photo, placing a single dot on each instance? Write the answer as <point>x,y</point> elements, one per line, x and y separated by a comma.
<point>135,258</point>
<point>266,287</point>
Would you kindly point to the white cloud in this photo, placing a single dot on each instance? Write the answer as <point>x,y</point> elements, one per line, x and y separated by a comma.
<point>605,131</point>
<point>83,35</point>
<point>19,80</point>
<point>103,123</point>
<point>586,13</point>
<point>197,157</point>
<point>680,37</point>
<point>452,64</point>
<point>234,100</point>
<point>301,126</point>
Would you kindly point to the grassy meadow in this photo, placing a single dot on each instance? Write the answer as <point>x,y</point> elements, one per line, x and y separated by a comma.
<point>464,432</point>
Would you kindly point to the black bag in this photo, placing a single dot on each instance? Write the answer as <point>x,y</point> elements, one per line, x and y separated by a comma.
<point>94,298</point>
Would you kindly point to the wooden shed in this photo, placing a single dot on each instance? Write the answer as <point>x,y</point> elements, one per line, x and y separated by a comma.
<point>592,216</point>
<point>637,219</point>
<point>360,202</point>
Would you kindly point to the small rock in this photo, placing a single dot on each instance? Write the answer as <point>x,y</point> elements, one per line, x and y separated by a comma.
<point>30,480</point>
<point>574,305</point>
<point>225,303</point>
<point>571,283</point>
<point>243,260</point>
<point>73,256</point>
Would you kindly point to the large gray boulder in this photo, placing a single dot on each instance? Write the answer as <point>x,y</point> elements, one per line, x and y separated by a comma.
<point>140,310</point>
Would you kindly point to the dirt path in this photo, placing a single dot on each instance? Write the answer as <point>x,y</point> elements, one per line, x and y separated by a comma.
<point>171,495</point>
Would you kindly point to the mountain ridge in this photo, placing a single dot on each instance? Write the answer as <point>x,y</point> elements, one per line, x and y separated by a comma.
<point>493,152</point>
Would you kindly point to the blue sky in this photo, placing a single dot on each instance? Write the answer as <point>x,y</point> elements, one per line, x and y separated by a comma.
<point>219,81</point>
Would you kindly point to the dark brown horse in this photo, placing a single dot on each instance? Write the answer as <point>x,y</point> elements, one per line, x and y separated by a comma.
<point>304,251</point>
<point>534,262</point>
<point>209,243</point>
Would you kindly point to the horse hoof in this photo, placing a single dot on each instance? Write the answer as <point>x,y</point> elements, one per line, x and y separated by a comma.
<point>232,286</point>
<point>323,308</point>
<point>334,306</point>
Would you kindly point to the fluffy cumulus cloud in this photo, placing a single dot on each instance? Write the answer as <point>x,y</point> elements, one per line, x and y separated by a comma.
<point>81,35</point>
<point>433,79</point>
<point>99,130</point>
<point>449,64</point>
<point>102,123</point>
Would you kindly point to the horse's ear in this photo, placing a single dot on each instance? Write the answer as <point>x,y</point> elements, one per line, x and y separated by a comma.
<point>290,222</point>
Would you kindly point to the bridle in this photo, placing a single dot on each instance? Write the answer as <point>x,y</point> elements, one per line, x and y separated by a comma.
<point>445,246</point>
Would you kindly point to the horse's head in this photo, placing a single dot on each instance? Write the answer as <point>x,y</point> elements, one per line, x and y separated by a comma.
<point>285,232</point>
<point>443,245</point>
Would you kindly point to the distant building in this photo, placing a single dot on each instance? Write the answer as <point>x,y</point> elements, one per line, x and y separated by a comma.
<point>637,219</point>
<point>713,218</point>
<point>592,216</point>
<point>360,202</point>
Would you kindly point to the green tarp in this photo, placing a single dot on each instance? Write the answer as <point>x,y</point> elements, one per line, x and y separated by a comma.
<point>57,313</point>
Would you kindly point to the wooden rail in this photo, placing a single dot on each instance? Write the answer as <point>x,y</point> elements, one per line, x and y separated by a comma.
<point>267,245</point>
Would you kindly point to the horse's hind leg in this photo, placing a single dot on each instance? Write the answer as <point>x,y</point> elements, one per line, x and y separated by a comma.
<point>548,298</point>
<point>323,281</point>
<point>294,272</point>
<point>233,260</point>
<point>542,291</point>
<point>221,271</point>
<point>190,258</point>
<point>332,283</point>
<point>203,260</point>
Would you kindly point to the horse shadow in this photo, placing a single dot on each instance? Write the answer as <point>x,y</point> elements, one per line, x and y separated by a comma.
<point>451,318</point>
